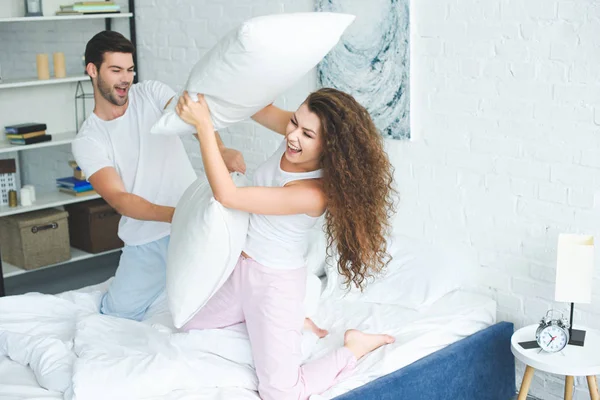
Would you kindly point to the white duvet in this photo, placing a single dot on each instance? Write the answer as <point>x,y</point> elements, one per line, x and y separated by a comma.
<point>60,347</point>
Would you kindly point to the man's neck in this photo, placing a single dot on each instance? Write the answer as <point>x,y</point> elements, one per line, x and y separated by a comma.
<point>107,111</point>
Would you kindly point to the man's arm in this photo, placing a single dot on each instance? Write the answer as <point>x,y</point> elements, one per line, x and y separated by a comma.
<point>219,141</point>
<point>109,185</point>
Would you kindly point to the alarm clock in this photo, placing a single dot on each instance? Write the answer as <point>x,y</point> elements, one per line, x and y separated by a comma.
<point>552,335</point>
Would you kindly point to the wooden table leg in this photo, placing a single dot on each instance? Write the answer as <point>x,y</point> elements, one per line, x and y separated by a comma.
<point>593,385</point>
<point>569,387</point>
<point>527,377</point>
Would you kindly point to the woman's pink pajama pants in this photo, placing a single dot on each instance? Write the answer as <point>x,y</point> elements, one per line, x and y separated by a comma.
<point>271,301</point>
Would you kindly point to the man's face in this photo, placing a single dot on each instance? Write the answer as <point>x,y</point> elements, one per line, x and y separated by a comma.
<point>115,77</point>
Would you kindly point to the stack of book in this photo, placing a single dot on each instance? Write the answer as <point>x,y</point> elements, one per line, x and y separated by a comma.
<point>89,7</point>
<point>74,187</point>
<point>28,133</point>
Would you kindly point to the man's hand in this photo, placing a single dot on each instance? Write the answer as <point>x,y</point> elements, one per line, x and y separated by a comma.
<point>170,211</point>
<point>233,160</point>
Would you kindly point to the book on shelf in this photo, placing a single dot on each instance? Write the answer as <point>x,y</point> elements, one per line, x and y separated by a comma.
<point>28,127</point>
<point>94,3</point>
<point>25,135</point>
<point>72,182</point>
<point>32,140</point>
<point>86,9</point>
<point>77,194</point>
<point>76,189</point>
<point>86,13</point>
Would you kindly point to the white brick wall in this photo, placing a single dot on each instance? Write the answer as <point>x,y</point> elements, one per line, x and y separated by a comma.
<point>513,85</point>
<point>506,106</point>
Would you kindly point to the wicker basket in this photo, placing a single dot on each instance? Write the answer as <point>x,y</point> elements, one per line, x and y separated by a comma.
<point>35,239</point>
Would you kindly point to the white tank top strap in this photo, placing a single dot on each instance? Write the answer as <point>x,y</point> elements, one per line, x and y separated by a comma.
<point>287,177</point>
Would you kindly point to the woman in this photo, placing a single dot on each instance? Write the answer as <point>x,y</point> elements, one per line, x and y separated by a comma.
<point>331,161</point>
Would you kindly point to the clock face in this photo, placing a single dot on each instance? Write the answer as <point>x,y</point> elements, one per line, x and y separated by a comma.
<point>552,339</point>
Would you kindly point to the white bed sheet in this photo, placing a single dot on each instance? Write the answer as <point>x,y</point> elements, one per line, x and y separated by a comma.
<point>418,334</point>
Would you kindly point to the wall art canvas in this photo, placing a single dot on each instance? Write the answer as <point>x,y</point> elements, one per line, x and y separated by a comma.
<point>371,62</point>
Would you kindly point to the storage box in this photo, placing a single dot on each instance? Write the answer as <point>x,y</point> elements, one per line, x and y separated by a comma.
<point>35,239</point>
<point>93,226</point>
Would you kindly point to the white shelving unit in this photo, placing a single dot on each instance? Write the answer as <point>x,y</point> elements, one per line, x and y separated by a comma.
<point>55,199</point>
<point>25,82</point>
<point>57,140</point>
<point>76,255</point>
<point>48,200</point>
<point>65,17</point>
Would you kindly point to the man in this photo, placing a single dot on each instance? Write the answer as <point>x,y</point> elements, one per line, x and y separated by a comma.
<point>139,174</point>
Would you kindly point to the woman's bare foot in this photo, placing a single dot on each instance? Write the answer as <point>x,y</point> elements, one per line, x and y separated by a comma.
<point>309,325</point>
<point>360,343</point>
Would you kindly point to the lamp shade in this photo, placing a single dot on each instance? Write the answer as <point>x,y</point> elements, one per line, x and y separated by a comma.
<point>574,268</point>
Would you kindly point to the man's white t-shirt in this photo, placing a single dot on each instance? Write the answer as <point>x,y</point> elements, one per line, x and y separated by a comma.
<point>154,167</point>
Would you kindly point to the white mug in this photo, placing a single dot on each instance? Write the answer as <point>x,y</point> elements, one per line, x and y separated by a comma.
<point>31,189</point>
<point>25,197</point>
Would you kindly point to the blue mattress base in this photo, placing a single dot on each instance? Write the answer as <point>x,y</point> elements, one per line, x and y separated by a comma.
<point>478,367</point>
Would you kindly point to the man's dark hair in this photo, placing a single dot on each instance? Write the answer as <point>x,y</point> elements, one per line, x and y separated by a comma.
<point>106,42</point>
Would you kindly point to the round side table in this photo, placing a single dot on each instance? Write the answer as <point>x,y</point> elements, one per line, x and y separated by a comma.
<point>571,361</point>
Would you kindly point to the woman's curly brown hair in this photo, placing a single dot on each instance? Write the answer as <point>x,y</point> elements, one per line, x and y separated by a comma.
<point>357,180</point>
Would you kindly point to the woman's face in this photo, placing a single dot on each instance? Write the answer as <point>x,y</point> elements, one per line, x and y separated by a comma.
<point>304,139</point>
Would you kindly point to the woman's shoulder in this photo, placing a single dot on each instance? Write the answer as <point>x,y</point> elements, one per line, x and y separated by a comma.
<point>314,192</point>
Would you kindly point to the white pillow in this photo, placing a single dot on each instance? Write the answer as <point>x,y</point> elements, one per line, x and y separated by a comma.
<point>206,242</point>
<point>252,65</point>
<point>418,275</point>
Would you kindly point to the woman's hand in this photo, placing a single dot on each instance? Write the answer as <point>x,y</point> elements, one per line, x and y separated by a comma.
<point>195,113</point>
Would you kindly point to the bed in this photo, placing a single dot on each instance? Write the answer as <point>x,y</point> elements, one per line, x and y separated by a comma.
<point>55,347</point>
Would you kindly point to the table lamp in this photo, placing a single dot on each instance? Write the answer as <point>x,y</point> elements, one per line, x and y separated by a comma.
<point>574,271</point>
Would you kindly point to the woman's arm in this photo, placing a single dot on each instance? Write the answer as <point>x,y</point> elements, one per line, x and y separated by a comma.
<point>297,198</point>
<point>273,118</point>
<point>292,199</point>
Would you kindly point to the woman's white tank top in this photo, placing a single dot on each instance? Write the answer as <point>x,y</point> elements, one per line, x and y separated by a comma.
<point>279,241</point>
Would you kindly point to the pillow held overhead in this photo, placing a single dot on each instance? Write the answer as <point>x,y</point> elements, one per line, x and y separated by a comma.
<point>253,64</point>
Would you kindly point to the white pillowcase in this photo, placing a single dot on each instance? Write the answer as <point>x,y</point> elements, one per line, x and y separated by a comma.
<point>252,65</point>
<point>206,242</point>
<point>418,275</point>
